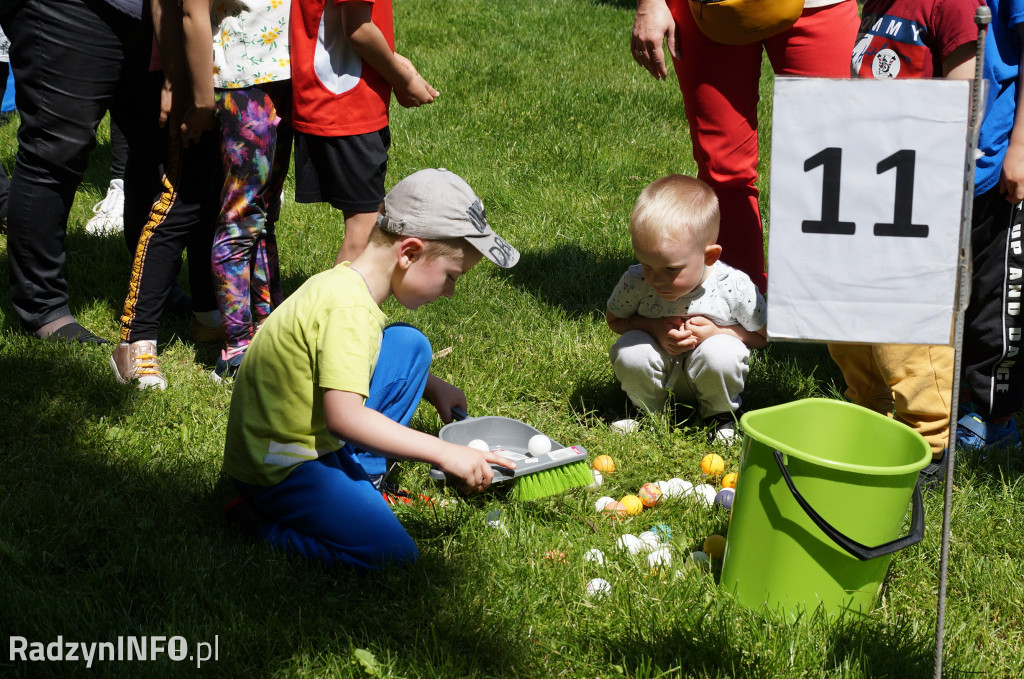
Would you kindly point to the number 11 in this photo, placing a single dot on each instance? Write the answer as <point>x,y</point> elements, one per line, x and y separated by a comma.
<point>830,160</point>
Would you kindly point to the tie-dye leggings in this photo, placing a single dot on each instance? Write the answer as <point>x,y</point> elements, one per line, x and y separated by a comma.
<point>256,142</point>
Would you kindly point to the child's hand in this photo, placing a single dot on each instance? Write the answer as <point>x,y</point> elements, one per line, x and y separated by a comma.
<point>444,397</point>
<point>196,121</point>
<point>406,64</point>
<point>700,328</point>
<point>169,106</point>
<point>473,467</point>
<point>414,91</point>
<point>674,337</point>
<point>1011,179</point>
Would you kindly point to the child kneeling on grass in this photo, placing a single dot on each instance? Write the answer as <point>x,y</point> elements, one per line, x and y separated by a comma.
<point>687,319</point>
<point>326,370</point>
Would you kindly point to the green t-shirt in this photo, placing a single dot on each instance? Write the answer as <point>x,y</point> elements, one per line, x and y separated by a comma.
<point>324,336</point>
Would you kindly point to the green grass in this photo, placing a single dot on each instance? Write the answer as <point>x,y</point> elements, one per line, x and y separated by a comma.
<point>110,498</point>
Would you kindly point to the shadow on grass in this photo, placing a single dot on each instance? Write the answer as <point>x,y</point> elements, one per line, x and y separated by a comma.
<point>111,527</point>
<point>780,373</point>
<point>994,468</point>
<point>713,646</point>
<point>569,276</point>
<point>893,649</point>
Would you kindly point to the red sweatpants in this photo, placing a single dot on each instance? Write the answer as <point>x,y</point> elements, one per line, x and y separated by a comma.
<point>720,86</point>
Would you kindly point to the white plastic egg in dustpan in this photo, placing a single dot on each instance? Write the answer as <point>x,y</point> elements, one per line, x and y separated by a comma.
<point>512,437</point>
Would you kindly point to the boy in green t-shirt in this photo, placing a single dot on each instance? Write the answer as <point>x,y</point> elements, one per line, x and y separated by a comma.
<point>326,371</point>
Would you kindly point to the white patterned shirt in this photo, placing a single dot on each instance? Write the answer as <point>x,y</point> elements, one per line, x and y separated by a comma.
<point>727,296</point>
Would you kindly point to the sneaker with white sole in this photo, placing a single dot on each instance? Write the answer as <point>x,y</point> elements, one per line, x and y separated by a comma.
<point>227,365</point>
<point>108,213</point>
<point>137,362</point>
<point>724,427</point>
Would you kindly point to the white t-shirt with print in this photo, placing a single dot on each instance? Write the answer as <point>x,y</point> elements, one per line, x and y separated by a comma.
<point>727,296</point>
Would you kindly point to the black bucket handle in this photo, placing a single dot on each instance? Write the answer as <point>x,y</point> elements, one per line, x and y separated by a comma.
<point>862,552</point>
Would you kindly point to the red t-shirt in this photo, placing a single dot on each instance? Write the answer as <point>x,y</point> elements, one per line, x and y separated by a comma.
<point>911,38</point>
<point>335,93</point>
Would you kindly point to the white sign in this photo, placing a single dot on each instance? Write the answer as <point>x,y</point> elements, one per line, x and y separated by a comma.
<point>867,184</point>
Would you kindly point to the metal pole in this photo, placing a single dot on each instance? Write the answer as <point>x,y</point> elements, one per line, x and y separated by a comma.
<point>982,18</point>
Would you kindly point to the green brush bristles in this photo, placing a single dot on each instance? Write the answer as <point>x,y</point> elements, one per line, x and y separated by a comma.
<point>552,481</point>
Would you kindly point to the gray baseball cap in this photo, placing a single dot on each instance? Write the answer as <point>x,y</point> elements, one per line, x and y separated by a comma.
<point>438,204</point>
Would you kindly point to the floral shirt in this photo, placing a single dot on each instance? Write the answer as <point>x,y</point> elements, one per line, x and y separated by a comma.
<point>250,42</point>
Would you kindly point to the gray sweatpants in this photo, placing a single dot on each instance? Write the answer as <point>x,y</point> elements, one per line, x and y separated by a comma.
<point>711,377</point>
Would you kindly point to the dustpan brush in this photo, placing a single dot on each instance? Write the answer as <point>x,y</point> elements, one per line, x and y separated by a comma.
<point>552,481</point>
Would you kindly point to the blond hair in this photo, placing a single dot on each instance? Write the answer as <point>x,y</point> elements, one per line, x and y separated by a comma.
<point>676,208</point>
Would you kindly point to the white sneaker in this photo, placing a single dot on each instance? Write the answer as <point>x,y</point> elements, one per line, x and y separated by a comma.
<point>109,212</point>
<point>627,426</point>
<point>725,427</point>
<point>727,432</point>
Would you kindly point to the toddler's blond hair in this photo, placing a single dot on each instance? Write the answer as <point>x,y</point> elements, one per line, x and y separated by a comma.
<point>675,208</point>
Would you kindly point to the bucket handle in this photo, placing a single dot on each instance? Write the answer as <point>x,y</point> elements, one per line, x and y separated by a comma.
<point>862,552</point>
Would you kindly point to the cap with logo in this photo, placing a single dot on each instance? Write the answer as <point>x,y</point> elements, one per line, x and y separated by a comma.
<point>436,204</point>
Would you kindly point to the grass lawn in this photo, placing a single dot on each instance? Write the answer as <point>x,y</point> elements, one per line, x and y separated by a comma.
<point>110,498</point>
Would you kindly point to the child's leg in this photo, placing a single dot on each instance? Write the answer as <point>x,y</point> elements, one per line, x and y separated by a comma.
<point>921,379</point>
<point>357,234</point>
<point>397,384</point>
<point>266,272</point>
<point>328,511</point>
<point>991,368</point>
<point>865,384</point>
<point>174,219</point>
<point>347,172</point>
<point>716,372</point>
<point>643,369</point>
<point>249,122</point>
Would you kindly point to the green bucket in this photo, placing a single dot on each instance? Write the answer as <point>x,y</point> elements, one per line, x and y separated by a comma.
<point>822,492</point>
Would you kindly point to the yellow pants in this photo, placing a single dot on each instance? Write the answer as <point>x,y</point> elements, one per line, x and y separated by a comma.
<point>911,382</point>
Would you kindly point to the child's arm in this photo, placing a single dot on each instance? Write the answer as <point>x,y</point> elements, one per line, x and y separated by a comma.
<point>202,114</point>
<point>1011,180</point>
<point>959,65</point>
<point>352,422</point>
<point>444,397</point>
<point>667,332</point>
<point>367,40</point>
<point>167,29</point>
<point>703,327</point>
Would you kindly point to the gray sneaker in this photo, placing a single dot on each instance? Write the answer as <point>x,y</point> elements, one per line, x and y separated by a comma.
<point>137,362</point>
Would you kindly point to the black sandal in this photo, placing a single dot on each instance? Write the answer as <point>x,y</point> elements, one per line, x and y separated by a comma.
<point>73,332</point>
